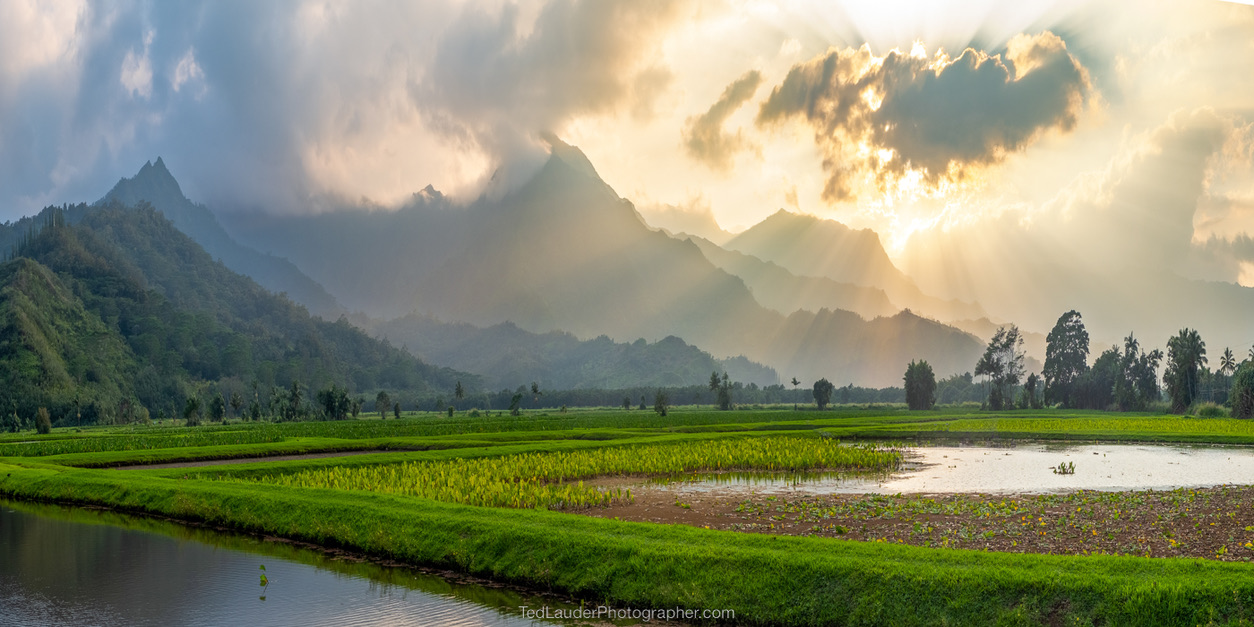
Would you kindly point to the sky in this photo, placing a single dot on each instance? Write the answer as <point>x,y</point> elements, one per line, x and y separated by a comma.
<point>1067,120</point>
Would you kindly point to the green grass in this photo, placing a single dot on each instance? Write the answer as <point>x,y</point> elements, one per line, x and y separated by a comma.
<point>768,580</point>
<point>542,479</point>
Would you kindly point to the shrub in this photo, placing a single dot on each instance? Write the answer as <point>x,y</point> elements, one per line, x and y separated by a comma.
<point>1209,410</point>
<point>1242,394</point>
<point>43,422</point>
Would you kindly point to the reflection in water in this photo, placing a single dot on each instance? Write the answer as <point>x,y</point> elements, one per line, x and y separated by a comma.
<point>1024,468</point>
<point>67,566</point>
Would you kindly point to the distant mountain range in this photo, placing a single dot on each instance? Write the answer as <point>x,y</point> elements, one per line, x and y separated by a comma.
<point>814,247</point>
<point>565,253</point>
<point>508,357</point>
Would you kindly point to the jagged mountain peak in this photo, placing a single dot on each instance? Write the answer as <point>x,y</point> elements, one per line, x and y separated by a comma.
<point>153,183</point>
<point>570,156</point>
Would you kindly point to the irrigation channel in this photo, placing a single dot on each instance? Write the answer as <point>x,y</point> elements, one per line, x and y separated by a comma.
<point>70,566</point>
<point>1021,469</point>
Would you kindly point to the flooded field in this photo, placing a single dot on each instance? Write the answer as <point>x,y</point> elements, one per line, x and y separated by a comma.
<point>1025,468</point>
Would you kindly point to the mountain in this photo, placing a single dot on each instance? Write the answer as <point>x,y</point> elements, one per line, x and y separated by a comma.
<point>53,350</point>
<point>154,184</point>
<point>778,289</point>
<point>507,357</point>
<point>373,260</point>
<point>814,247</point>
<point>681,222</point>
<point>122,310</point>
<point>565,253</point>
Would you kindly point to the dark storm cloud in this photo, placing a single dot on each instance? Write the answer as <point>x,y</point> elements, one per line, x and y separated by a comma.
<point>704,137</point>
<point>939,117</point>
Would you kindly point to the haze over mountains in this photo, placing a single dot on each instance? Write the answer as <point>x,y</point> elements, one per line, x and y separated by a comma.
<point>565,253</point>
<point>523,283</point>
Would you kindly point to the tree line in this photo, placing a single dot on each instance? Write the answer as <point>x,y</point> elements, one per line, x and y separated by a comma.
<point>1121,378</point>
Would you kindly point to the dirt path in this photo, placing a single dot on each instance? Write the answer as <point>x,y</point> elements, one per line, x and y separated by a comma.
<point>1213,523</point>
<point>249,460</point>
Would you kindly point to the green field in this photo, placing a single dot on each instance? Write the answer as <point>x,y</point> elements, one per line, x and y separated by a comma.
<point>424,496</point>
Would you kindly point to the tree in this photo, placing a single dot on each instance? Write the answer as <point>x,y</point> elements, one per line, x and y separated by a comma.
<point>237,403</point>
<point>217,408</point>
<point>1186,353</point>
<point>335,403</point>
<point>823,393</point>
<point>295,402</point>
<point>626,403</point>
<point>920,385</point>
<point>535,393</point>
<point>43,422</point>
<point>382,403</point>
<point>1002,363</point>
<point>1136,382</point>
<point>661,403</point>
<point>396,410</point>
<point>795,383</point>
<point>191,411</point>
<point>1227,363</point>
<point>513,405</point>
<point>1243,391</point>
<point>1066,358</point>
<point>459,392</point>
<point>1031,398</point>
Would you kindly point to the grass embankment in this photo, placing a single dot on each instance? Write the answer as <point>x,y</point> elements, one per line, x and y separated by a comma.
<point>766,579</point>
<point>541,479</point>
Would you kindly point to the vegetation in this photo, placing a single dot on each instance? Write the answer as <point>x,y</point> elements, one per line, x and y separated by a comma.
<point>1186,353</point>
<point>823,393</point>
<point>1243,391</point>
<point>920,386</point>
<point>120,312</point>
<point>1002,362</point>
<point>1066,358</point>
<point>609,561</point>
<point>543,479</point>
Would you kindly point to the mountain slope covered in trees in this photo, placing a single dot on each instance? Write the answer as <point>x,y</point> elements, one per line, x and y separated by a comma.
<point>122,311</point>
<point>155,185</point>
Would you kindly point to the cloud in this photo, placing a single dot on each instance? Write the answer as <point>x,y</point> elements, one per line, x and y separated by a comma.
<point>903,117</point>
<point>704,137</point>
<point>303,105</point>
<point>137,71</point>
<point>188,72</point>
<point>498,81</point>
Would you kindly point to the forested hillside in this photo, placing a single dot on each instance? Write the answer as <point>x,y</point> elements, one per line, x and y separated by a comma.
<point>123,311</point>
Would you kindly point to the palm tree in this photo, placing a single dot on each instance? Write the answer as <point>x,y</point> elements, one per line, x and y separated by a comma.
<point>1228,362</point>
<point>1186,353</point>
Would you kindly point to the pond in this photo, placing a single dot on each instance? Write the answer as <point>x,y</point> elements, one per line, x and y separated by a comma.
<point>1026,468</point>
<point>65,566</point>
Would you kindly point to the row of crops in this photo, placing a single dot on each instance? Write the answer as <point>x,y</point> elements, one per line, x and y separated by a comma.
<point>140,442</point>
<point>554,480</point>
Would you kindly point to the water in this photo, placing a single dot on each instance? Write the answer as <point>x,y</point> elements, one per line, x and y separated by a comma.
<point>1022,469</point>
<point>63,566</point>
